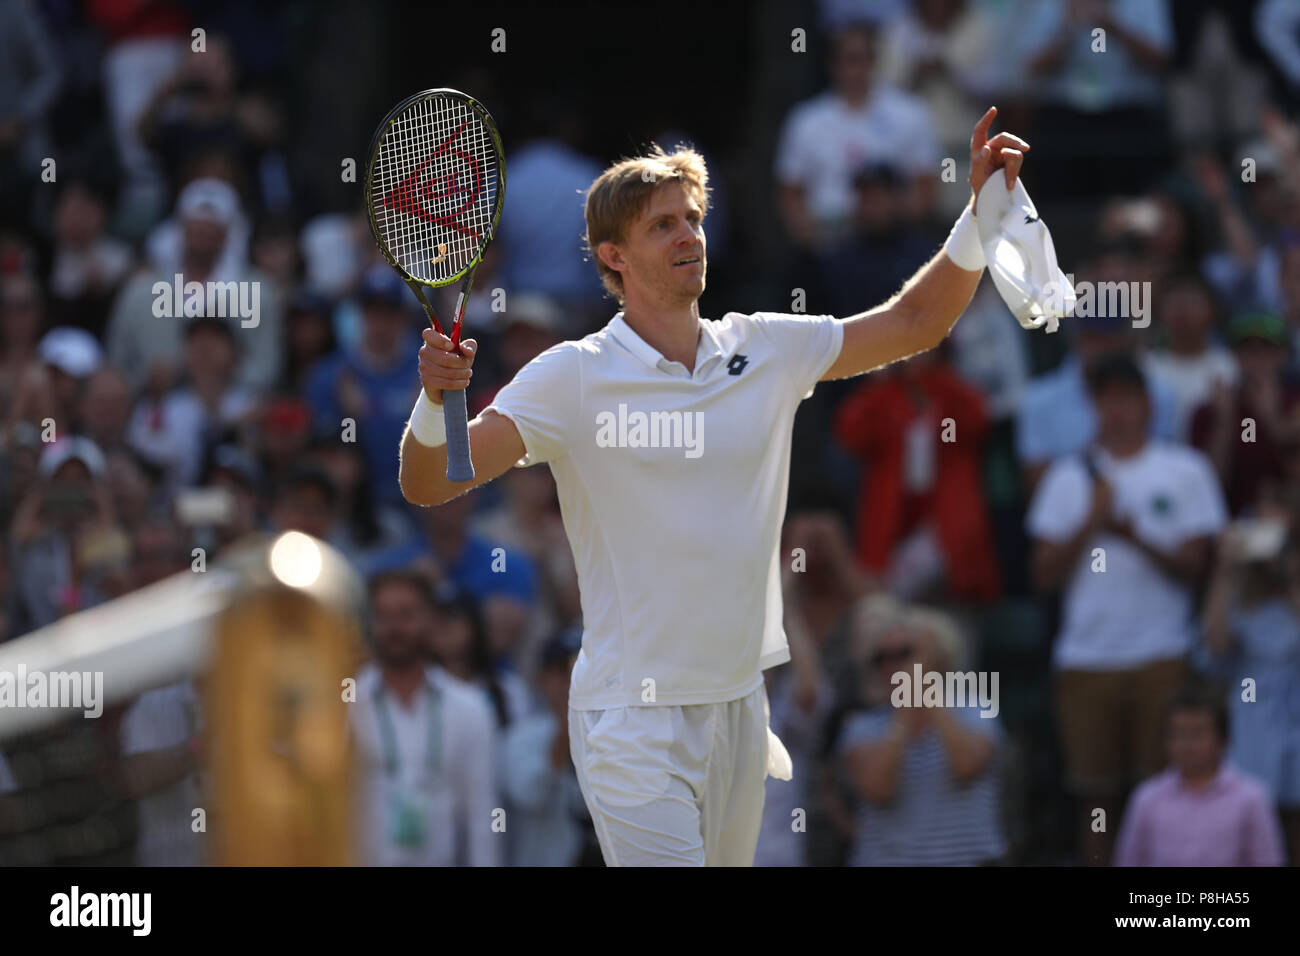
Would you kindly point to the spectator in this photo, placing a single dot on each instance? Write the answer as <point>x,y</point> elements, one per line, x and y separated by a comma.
<point>145,45</point>
<point>30,76</point>
<point>883,250</point>
<point>1087,104</point>
<point>304,500</point>
<point>53,387</point>
<point>309,337</point>
<point>1252,641</point>
<point>1192,366</point>
<point>175,433</point>
<point>199,108</point>
<point>64,535</point>
<point>22,323</point>
<point>532,325</point>
<point>922,523</point>
<point>799,698</point>
<point>825,140</point>
<point>460,646</point>
<point>529,523</point>
<point>1125,531</point>
<point>374,384</point>
<point>504,580</point>
<point>1057,416</point>
<point>89,265</point>
<point>426,743</point>
<point>543,224</point>
<point>364,529</point>
<point>926,778</point>
<point>160,766</point>
<point>549,822</point>
<point>1201,811</point>
<point>144,334</point>
<point>106,409</point>
<point>1244,429</point>
<point>947,53</point>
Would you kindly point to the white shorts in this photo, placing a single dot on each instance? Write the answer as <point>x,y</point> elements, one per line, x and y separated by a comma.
<point>675,785</point>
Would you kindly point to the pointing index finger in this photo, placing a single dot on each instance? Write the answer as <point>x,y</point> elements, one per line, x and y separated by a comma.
<point>981,135</point>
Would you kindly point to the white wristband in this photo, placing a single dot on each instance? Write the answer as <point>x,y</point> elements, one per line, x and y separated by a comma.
<point>428,424</point>
<point>963,245</point>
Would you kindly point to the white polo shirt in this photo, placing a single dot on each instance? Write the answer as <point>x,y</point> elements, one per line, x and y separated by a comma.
<point>1130,614</point>
<point>673,487</point>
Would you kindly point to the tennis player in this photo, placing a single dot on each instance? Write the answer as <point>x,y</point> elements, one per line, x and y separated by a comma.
<point>669,438</point>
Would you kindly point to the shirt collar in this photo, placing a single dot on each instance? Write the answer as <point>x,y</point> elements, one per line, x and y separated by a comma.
<point>709,346</point>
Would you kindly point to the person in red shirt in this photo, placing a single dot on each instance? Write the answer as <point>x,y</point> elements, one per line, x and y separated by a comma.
<point>922,521</point>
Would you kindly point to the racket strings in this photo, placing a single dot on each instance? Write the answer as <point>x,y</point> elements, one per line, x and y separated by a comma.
<point>435,187</point>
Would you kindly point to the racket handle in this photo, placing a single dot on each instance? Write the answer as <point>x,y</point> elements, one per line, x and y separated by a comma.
<point>459,466</point>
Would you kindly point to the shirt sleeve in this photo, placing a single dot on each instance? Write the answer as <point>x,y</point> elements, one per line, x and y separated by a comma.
<point>806,345</point>
<point>544,400</point>
<point>1061,503</point>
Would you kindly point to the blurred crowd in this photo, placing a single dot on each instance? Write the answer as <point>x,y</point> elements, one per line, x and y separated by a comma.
<point>1108,518</point>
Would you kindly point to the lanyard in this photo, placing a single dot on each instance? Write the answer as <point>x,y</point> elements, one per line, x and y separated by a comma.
<point>388,735</point>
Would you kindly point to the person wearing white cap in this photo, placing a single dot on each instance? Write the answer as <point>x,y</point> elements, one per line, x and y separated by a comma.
<point>52,386</point>
<point>676,536</point>
<point>205,243</point>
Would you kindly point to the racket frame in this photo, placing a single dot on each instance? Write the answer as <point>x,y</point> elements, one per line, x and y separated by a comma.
<point>459,466</point>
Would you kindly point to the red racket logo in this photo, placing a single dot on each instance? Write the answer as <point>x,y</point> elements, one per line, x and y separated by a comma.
<point>460,175</point>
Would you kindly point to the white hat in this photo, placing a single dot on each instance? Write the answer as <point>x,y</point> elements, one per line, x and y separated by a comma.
<point>71,350</point>
<point>1020,255</point>
<point>59,453</point>
<point>212,199</point>
<point>535,310</point>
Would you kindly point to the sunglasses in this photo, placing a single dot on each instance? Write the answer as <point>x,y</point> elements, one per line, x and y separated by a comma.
<point>897,654</point>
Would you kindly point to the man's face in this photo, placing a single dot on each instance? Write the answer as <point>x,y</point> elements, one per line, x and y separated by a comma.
<point>1188,312</point>
<point>204,238</point>
<point>1260,359</point>
<point>853,63</point>
<point>651,258</point>
<point>1193,741</point>
<point>1122,411</point>
<point>401,624</point>
<point>383,326</point>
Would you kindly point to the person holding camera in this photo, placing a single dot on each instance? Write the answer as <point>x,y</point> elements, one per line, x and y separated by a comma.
<point>1252,641</point>
<point>66,543</point>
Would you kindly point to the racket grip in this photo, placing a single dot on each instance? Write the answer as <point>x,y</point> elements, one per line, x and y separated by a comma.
<point>459,466</point>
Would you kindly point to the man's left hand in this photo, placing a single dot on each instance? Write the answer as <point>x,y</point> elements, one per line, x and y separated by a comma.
<point>1005,151</point>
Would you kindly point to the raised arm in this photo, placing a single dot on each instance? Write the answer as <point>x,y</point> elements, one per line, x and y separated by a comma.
<point>919,316</point>
<point>494,442</point>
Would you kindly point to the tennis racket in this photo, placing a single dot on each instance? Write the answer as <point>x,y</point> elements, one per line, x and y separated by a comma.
<point>435,183</point>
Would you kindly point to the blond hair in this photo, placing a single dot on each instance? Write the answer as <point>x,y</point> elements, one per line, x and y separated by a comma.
<point>620,194</point>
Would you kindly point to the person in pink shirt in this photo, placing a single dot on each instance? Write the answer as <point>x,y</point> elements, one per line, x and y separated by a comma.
<point>1201,811</point>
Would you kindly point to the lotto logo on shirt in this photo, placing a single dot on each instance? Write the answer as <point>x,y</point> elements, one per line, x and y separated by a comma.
<point>639,429</point>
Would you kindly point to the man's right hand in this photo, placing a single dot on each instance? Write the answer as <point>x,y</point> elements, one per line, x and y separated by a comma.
<point>442,367</point>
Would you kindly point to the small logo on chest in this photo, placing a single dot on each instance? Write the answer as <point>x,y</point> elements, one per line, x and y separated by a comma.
<point>737,364</point>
